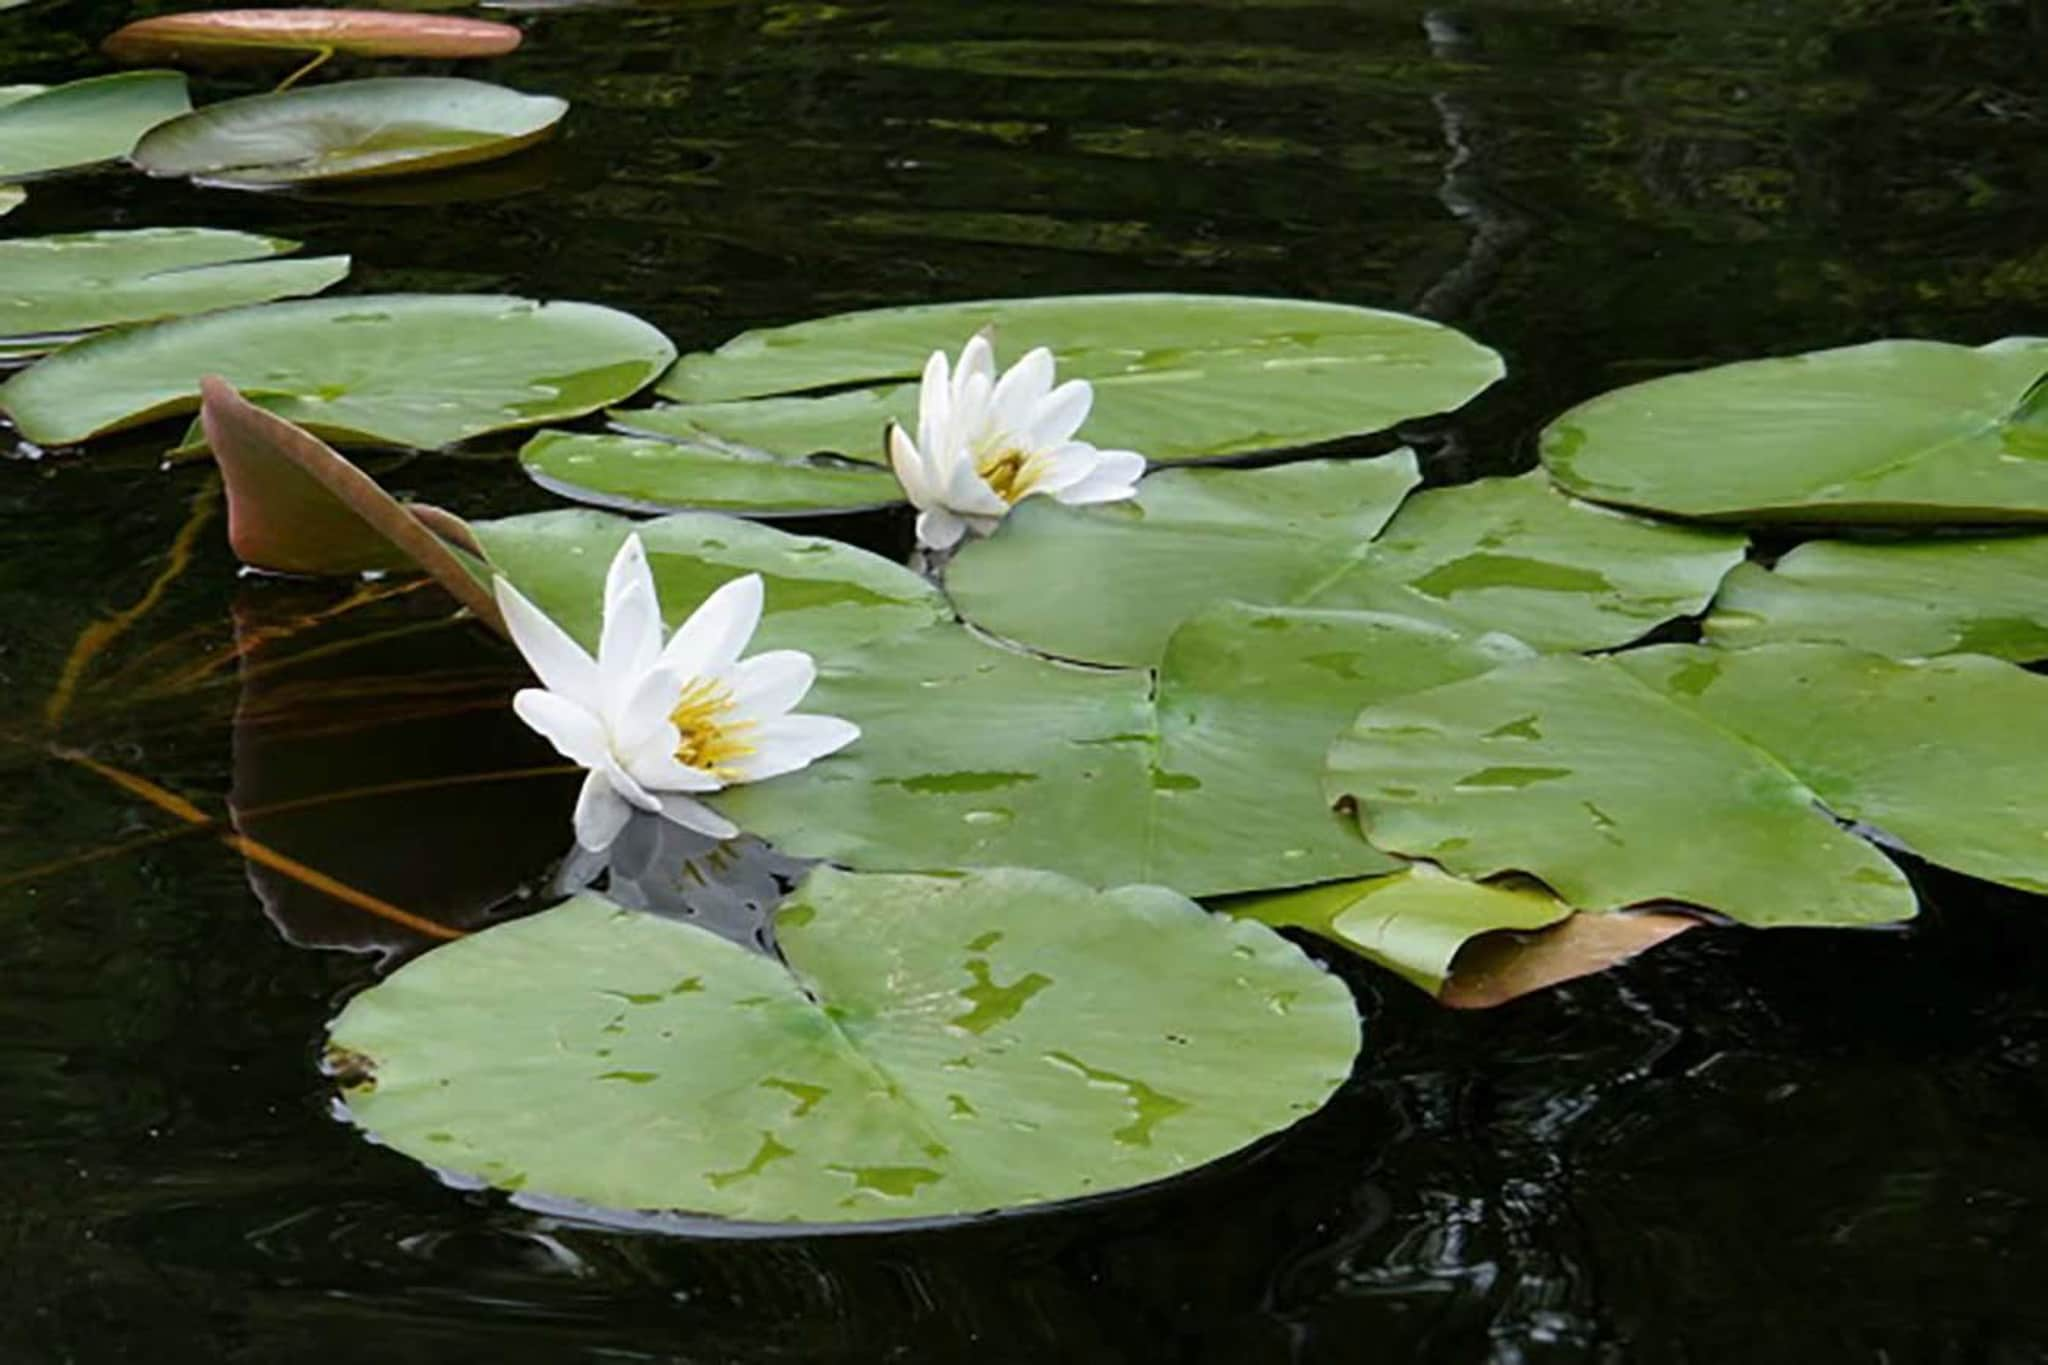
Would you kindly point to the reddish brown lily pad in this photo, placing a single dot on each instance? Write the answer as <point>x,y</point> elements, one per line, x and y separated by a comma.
<point>1505,965</point>
<point>233,34</point>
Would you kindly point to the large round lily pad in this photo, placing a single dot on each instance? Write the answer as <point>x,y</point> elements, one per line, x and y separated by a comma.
<point>402,125</point>
<point>1711,777</point>
<point>401,369</point>
<point>57,287</point>
<point>935,1046</point>
<point>1911,599</point>
<point>657,476</point>
<point>1205,779</point>
<point>1109,584</point>
<point>85,122</point>
<point>214,34</point>
<point>1908,432</point>
<point>1177,376</point>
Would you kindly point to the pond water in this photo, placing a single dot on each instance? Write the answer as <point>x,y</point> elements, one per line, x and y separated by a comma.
<point>1744,1146</point>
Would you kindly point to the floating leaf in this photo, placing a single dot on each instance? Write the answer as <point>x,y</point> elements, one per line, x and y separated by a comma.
<point>649,476</point>
<point>53,288</point>
<point>1906,432</point>
<point>401,125</point>
<point>400,369</point>
<point>1708,777</point>
<point>85,122</point>
<point>12,197</point>
<point>1412,922</point>
<point>935,1046</point>
<point>1913,599</point>
<point>975,755</point>
<point>1177,376</point>
<point>1108,584</point>
<point>363,33</point>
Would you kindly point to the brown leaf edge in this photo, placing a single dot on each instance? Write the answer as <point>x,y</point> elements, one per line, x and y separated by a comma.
<point>1505,965</point>
<point>295,505</point>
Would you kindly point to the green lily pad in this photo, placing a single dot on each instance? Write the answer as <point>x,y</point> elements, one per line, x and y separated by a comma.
<point>1177,376</point>
<point>1905,432</point>
<point>1108,584</point>
<point>12,197</point>
<point>935,1046</point>
<point>401,125</point>
<point>1708,777</point>
<point>976,755</point>
<point>648,476</point>
<point>85,122</point>
<point>365,33</point>
<point>419,370</point>
<point>53,288</point>
<point>1916,599</point>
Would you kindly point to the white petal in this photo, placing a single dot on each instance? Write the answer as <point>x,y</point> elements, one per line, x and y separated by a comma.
<point>627,786</point>
<point>934,401</point>
<point>938,529</point>
<point>1114,478</point>
<point>977,361</point>
<point>657,771</point>
<point>600,814</point>
<point>558,661</point>
<point>640,719</point>
<point>770,684</point>
<point>698,816</point>
<point>967,493</point>
<point>791,742</point>
<point>908,462</point>
<point>577,733</point>
<point>631,641</point>
<point>712,640</point>
<point>1055,420</point>
<point>1019,392</point>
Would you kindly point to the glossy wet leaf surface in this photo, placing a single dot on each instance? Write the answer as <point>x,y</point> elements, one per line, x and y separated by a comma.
<point>633,473</point>
<point>1710,778</point>
<point>1176,376</point>
<point>368,33</point>
<point>976,755</point>
<point>1108,584</point>
<point>1909,599</point>
<point>1905,432</point>
<point>78,282</point>
<point>398,125</point>
<point>401,369</point>
<point>935,1046</point>
<point>85,122</point>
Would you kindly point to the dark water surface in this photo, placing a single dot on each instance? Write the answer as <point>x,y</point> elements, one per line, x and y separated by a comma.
<point>1745,1147</point>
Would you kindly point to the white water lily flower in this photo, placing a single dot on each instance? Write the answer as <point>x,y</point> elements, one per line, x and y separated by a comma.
<point>653,722</point>
<point>984,444</point>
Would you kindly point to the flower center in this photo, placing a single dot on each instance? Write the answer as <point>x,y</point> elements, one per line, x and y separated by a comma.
<point>709,741</point>
<point>1011,472</point>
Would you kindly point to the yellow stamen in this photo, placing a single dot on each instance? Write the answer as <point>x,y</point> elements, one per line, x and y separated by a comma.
<point>1011,472</point>
<point>709,741</point>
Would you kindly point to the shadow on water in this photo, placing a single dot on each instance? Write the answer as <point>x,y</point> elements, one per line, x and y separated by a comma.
<point>1749,1147</point>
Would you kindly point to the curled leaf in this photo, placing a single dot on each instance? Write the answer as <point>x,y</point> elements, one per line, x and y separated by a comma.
<point>214,34</point>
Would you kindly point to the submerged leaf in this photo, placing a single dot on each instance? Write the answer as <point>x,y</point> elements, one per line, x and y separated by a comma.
<point>398,369</point>
<point>1905,432</point>
<point>365,33</point>
<point>401,125</point>
<point>935,1046</point>
<point>1177,376</point>
<point>53,288</point>
<point>85,122</point>
<point>651,476</point>
<point>1108,584</point>
<point>1911,599</point>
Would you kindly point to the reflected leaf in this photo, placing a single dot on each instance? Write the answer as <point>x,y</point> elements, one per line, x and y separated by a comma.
<point>419,370</point>
<point>1898,432</point>
<point>402,125</point>
<point>934,1046</point>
